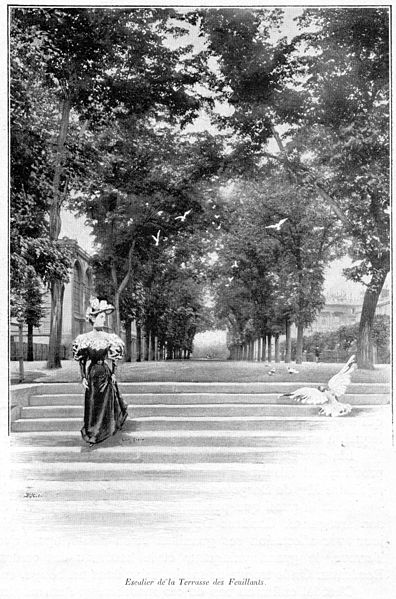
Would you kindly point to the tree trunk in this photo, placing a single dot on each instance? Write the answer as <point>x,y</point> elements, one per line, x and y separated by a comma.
<point>20,351</point>
<point>269,347</point>
<point>277,356</point>
<point>263,348</point>
<point>60,327</point>
<point>116,314</point>
<point>138,343</point>
<point>57,290</point>
<point>128,341</point>
<point>152,346</point>
<point>288,342</point>
<point>120,288</point>
<point>259,349</point>
<point>299,348</point>
<point>146,344</point>
<point>365,354</point>
<point>54,229</point>
<point>30,352</point>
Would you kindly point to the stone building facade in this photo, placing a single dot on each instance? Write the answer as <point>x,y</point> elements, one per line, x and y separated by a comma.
<point>78,291</point>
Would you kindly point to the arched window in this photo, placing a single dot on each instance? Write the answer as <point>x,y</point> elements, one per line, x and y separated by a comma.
<point>88,291</point>
<point>77,289</point>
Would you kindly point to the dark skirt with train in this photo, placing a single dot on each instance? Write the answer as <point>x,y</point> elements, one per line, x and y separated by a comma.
<point>104,409</point>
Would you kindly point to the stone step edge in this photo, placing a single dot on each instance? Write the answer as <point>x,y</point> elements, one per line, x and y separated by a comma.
<point>171,434</point>
<point>205,406</point>
<point>137,449</point>
<point>191,418</point>
<point>192,395</point>
<point>320,453</point>
<point>214,383</point>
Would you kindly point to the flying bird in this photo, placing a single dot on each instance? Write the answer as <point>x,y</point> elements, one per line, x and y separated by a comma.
<point>217,215</point>
<point>235,265</point>
<point>318,229</point>
<point>156,239</point>
<point>183,218</point>
<point>230,279</point>
<point>329,395</point>
<point>278,225</point>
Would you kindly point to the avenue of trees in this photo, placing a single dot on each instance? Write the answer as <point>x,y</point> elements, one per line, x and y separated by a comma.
<point>103,107</point>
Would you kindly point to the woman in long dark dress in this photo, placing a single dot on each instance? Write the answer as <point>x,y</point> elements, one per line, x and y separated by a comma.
<point>104,411</point>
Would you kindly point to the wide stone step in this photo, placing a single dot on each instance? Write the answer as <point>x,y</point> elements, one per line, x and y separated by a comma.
<point>152,454</point>
<point>258,387</point>
<point>129,454</point>
<point>165,423</point>
<point>110,473</point>
<point>205,438</point>
<point>164,410</point>
<point>77,399</point>
<point>178,488</point>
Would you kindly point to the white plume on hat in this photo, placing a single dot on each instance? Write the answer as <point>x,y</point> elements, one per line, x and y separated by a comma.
<point>96,306</point>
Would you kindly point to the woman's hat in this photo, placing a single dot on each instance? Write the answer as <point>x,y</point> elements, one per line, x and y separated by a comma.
<point>96,306</point>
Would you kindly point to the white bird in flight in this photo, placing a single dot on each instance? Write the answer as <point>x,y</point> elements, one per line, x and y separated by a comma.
<point>156,239</point>
<point>336,387</point>
<point>230,279</point>
<point>277,226</point>
<point>183,218</point>
<point>235,265</point>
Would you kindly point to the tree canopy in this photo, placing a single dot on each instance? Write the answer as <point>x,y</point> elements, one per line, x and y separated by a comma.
<point>294,170</point>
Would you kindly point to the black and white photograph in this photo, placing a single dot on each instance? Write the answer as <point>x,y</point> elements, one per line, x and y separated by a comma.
<point>197,301</point>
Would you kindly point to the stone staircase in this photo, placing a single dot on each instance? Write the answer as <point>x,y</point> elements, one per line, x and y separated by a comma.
<point>193,423</point>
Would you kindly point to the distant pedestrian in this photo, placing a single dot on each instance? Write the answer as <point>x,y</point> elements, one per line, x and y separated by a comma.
<point>317,354</point>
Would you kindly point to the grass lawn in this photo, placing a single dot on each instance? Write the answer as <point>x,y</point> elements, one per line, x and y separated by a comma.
<point>203,371</point>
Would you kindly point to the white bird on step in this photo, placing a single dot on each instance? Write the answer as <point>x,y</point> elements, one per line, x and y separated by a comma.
<point>336,387</point>
<point>292,370</point>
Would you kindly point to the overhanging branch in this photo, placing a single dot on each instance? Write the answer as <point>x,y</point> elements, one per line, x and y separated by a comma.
<point>125,280</point>
<point>325,196</point>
